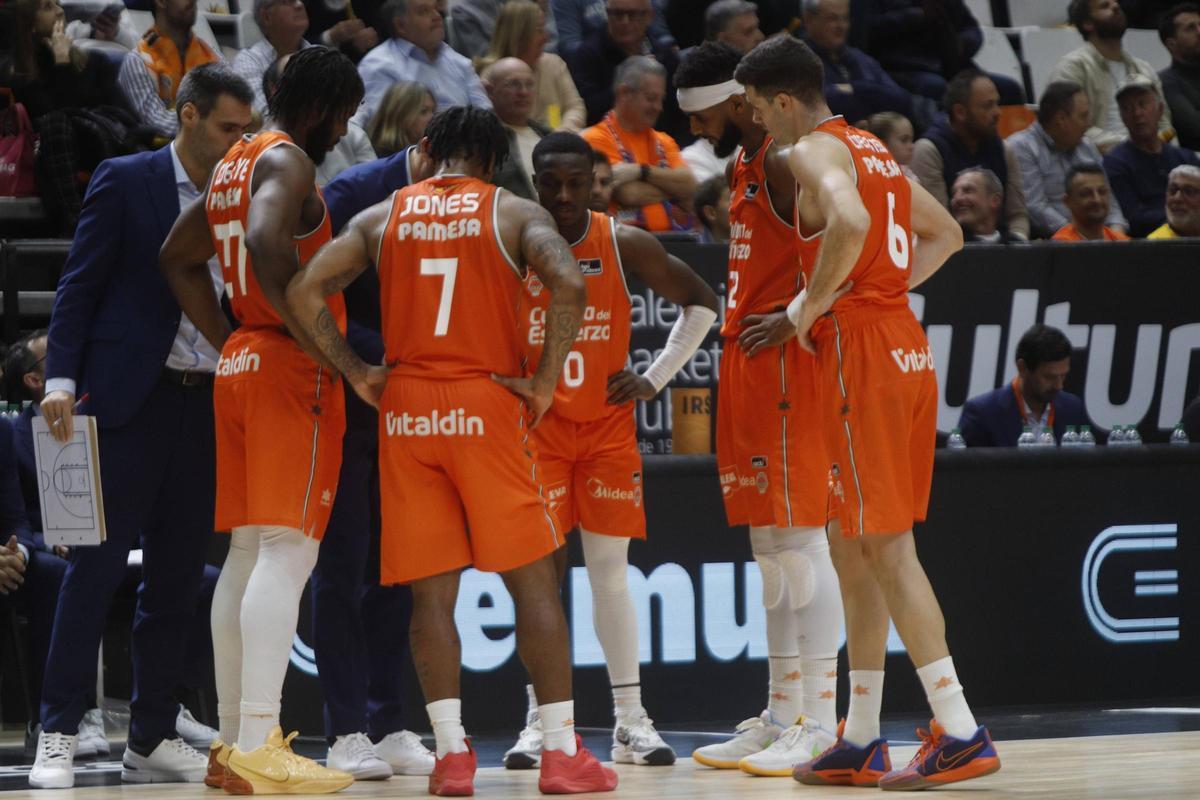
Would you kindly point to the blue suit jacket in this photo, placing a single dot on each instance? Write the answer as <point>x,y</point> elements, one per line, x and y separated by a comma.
<point>114,317</point>
<point>27,470</point>
<point>993,419</point>
<point>13,520</point>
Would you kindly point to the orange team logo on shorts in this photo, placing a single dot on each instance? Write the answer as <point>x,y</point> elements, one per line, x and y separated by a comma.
<point>944,682</point>
<point>861,690</point>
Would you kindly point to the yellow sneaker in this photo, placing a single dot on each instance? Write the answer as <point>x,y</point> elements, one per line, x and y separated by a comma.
<point>218,758</point>
<point>275,769</point>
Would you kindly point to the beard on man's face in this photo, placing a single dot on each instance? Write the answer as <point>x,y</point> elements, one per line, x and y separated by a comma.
<point>731,137</point>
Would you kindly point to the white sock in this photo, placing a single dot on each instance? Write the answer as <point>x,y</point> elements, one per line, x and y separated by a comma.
<point>226,622</point>
<point>784,700</point>
<point>613,615</point>
<point>627,703</point>
<point>446,718</point>
<point>866,697</point>
<point>533,704</point>
<point>558,726</point>
<point>818,689</point>
<point>270,606</point>
<point>946,698</point>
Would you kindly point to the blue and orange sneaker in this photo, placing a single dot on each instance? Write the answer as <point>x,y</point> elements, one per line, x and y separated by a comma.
<point>943,759</point>
<point>844,764</point>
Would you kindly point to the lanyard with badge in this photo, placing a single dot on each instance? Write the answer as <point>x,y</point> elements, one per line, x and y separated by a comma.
<point>639,218</point>
<point>1025,415</point>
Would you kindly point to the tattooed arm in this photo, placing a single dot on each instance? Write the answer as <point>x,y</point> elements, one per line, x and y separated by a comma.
<point>528,229</point>
<point>330,271</point>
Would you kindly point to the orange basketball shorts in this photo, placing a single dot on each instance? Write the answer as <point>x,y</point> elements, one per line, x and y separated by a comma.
<point>770,447</point>
<point>880,417</point>
<point>279,420</point>
<point>459,480</point>
<point>593,472</point>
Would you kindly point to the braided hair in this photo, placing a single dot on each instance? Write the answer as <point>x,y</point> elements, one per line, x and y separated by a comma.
<point>317,82</point>
<point>468,132</point>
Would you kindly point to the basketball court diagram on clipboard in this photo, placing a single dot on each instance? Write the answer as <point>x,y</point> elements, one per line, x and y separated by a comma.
<point>69,484</point>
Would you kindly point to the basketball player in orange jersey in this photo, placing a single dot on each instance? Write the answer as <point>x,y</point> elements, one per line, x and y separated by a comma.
<point>770,449</point>
<point>587,442</point>
<point>459,478</point>
<point>279,409</point>
<point>864,225</point>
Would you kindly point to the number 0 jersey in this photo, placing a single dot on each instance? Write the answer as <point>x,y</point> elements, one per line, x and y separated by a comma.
<point>880,274</point>
<point>227,205</point>
<point>764,260</point>
<point>449,289</point>
<point>602,346</point>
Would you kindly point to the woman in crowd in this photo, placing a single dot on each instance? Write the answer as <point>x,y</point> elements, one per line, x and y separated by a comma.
<point>401,119</point>
<point>894,130</point>
<point>521,33</point>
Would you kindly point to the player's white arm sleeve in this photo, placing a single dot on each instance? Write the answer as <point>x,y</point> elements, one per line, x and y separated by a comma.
<point>686,337</point>
<point>793,309</point>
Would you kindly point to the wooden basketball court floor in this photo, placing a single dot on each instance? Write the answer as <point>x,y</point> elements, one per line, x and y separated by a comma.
<point>1161,766</point>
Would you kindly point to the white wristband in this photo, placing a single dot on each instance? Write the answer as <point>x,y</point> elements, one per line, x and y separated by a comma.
<point>793,309</point>
<point>686,337</point>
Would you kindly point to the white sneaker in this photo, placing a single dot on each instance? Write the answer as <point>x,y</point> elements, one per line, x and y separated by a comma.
<point>193,731</point>
<point>355,754</point>
<point>54,766</point>
<point>750,736</point>
<point>636,742</point>
<point>91,740</point>
<point>173,761</point>
<point>405,754</point>
<point>799,744</point>
<point>527,752</point>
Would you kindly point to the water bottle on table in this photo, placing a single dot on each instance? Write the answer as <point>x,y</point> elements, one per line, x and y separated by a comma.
<point>1026,439</point>
<point>956,440</point>
<point>1179,435</point>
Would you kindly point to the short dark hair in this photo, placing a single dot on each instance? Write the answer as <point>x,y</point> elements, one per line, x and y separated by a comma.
<point>783,64</point>
<point>1079,12</point>
<point>1042,344</point>
<point>706,64</point>
<point>600,158</point>
<point>718,16</point>
<point>316,79</point>
<point>388,13</point>
<point>1057,98</point>
<point>958,90</point>
<point>203,85</point>
<point>1082,169</point>
<point>1166,23</point>
<point>19,360</point>
<point>562,143</point>
<point>707,194</point>
<point>468,132</point>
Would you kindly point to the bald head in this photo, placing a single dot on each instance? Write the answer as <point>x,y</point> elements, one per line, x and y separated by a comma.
<point>510,85</point>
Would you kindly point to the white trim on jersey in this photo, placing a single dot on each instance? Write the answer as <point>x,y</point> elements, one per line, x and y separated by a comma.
<point>862,511</point>
<point>612,231</point>
<point>522,274</point>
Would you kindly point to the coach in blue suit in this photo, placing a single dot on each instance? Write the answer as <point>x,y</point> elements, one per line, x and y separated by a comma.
<point>118,338</point>
<point>1034,398</point>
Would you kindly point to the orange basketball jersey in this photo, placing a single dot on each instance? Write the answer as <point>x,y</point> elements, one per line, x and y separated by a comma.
<point>881,273</point>
<point>764,264</point>
<point>450,290</point>
<point>227,205</point>
<point>602,346</point>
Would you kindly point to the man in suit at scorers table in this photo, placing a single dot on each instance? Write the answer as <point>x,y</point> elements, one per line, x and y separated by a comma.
<point>118,337</point>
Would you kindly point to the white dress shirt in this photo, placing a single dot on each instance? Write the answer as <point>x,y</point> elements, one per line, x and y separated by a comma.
<point>449,77</point>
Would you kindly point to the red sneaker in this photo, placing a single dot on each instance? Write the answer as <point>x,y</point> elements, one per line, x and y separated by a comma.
<point>454,775</point>
<point>563,774</point>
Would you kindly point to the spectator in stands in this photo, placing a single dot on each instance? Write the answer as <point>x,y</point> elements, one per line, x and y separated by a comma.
<point>50,76</point>
<point>417,52</point>
<point>711,203</point>
<point>924,43</point>
<point>351,26</point>
<point>651,184</point>
<point>594,63</point>
<point>895,131</point>
<point>118,339</point>
<point>1035,397</point>
<point>968,138</point>
<point>734,22</point>
<point>577,19</point>
<point>520,33</point>
<point>602,183</point>
<point>1147,14</point>
<point>689,22</point>
<point>976,200</point>
<point>1180,33</point>
<point>1048,149</point>
<point>855,85</point>
<point>509,83</point>
<point>282,23</point>
<point>1101,66</point>
<point>109,24</point>
<point>1183,204</point>
<point>402,118</point>
<point>1087,200</point>
<point>151,75</point>
<point>1138,168</point>
<point>475,23</point>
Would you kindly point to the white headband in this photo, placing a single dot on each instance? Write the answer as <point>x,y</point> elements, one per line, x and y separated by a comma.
<point>698,98</point>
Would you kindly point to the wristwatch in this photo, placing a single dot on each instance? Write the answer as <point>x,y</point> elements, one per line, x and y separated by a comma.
<point>645,172</point>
